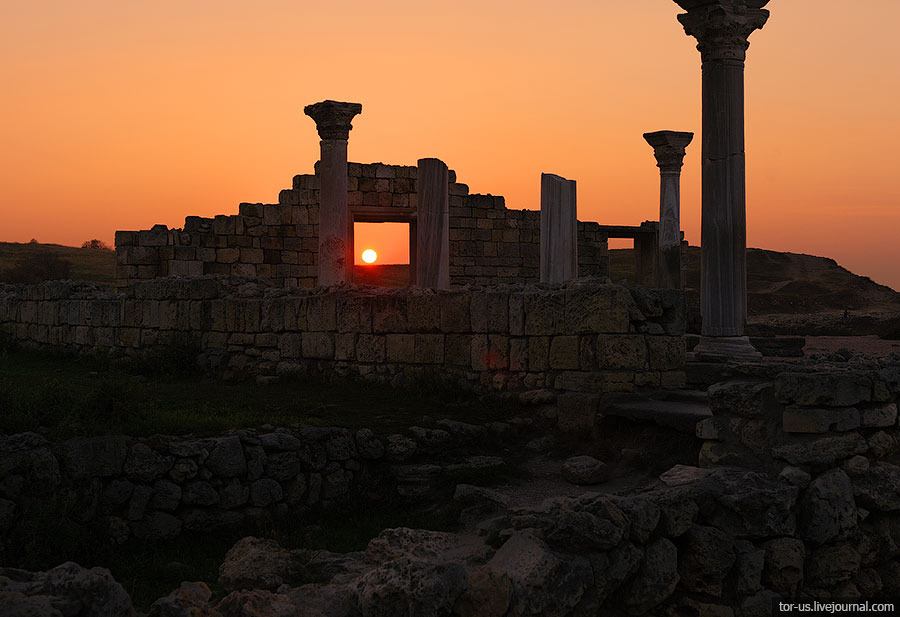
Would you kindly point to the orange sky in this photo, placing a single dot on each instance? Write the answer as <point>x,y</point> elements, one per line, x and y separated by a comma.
<point>120,115</point>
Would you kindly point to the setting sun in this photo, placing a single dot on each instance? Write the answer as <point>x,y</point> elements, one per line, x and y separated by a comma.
<point>369,256</point>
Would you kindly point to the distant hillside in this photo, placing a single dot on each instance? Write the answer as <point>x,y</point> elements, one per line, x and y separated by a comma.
<point>794,293</point>
<point>29,260</point>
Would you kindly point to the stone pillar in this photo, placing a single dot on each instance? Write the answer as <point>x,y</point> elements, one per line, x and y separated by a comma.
<point>559,229</point>
<point>432,255</point>
<point>335,253</point>
<point>722,28</point>
<point>646,255</point>
<point>668,148</point>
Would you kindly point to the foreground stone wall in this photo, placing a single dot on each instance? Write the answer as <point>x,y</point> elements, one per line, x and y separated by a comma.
<point>488,243</point>
<point>582,336</point>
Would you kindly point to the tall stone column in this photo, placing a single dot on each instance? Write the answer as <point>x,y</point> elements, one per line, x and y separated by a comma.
<point>722,28</point>
<point>335,253</point>
<point>668,148</point>
<point>432,255</point>
<point>559,229</point>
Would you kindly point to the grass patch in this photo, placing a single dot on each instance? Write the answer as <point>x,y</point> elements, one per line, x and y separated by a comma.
<point>63,396</point>
<point>85,264</point>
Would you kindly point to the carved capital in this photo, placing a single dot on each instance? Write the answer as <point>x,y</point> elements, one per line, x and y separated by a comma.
<point>668,148</point>
<point>722,27</point>
<point>333,118</point>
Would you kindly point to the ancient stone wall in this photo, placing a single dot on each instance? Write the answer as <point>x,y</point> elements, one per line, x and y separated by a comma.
<point>580,336</point>
<point>488,243</point>
<point>157,488</point>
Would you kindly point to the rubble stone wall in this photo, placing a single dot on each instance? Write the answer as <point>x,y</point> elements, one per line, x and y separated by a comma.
<point>488,243</point>
<point>582,336</point>
<point>157,488</point>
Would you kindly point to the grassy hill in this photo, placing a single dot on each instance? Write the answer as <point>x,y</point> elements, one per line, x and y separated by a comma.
<point>25,262</point>
<point>793,293</point>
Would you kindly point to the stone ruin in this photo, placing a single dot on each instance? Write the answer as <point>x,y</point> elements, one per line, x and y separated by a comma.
<point>797,485</point>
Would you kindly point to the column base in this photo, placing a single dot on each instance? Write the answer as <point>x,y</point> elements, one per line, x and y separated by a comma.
<point>725,348</point>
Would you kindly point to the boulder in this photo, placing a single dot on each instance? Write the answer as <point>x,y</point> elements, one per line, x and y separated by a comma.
<point>783,570</point>
<point>256,563</point>
<point>879,489</point>
<point>705,558</point>
<point>827,509</point>
<point>182,601</point>
<point>410,587</point>
<point>585,470</point>
<point>656,579</point>
<point>542,582</point>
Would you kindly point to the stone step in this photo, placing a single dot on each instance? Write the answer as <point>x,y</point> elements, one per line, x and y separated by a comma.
<point>680,415</point>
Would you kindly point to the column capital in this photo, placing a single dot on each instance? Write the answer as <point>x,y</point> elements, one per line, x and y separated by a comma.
<point>333,118</point>
<point>668,148</point>
<point>722,27</point>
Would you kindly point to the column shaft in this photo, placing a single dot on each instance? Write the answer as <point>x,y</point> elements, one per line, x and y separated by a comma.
<point>335,254</point>
<point>433,224</point>
<point>723,235</point>
<point>559,229</point>
<point>670,230</point>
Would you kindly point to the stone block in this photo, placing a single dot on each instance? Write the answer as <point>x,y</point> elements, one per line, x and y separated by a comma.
<point>666,352</point>
<point>538,353</point>
<point>595,381</point>
<point>345,346</point>
<point>490,312</point>
<point>597,309</point>
<point>621,351</point>
<point>518,354</point>
<point>454,309</point>
<point>389,313</point>
<point>544,313</point>
<point>458,349</point>
<point>564,353</point>
<point>354,313</point>
<point>831,388</point>
<point>879,415</point>
<point>429,348</point>
<point>321,312</point>
<point>370,348</point>
<point>819,420</point>
<point>424,312</point>
<point>319,345</point>
<point>401,348</point>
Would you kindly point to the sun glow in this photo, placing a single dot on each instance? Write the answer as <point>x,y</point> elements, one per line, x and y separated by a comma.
<point>369,256</point>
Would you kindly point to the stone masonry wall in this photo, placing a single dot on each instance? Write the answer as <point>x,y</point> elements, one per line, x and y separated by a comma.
<point>582,336</point>
<point>488,243</point>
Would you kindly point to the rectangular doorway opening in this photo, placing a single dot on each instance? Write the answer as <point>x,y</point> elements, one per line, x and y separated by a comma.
<point>621,259</point>
<point>381,253</point>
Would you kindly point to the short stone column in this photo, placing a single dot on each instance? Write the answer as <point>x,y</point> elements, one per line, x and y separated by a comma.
<point>433,224</point>
<point>335,253</point>
<point>559,229</point>
<point>722,28</point>
<point>668,148</point>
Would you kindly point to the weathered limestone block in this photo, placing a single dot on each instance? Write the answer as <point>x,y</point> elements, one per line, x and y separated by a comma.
<point>666,353</point>
<point>354,313</point>
<point>622,351</point>
<point>319,345</point>
<point>400,348</point>
<point>564,353</point>
<point>595,309</point>
<point>821,451</point>
<point>322,312</point>
<point>820,420</point>
<point>544,313</point>
<point>424,312</point>
<point>92,457</point>
<point>370,348</point>
<point>389,313</point>
<point>831,388</point>
<point>827,509</point>
<point>705,559</point>
<point>747,399</point>
<point>783,570</point>
<point>490,311</point>
<point>454,309</point>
